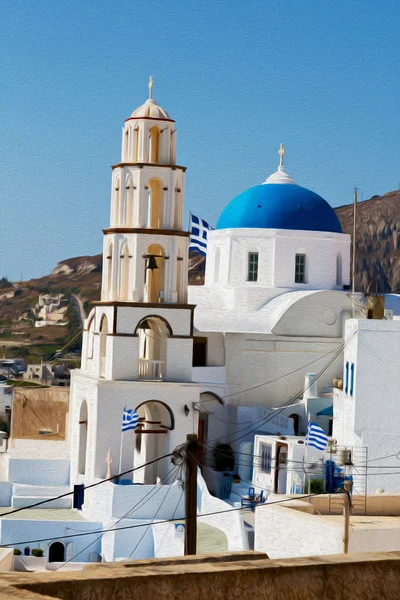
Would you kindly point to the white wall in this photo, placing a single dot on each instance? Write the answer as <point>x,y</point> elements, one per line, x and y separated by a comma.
<point>13,531</point>
<point>371,416</point>
<point>277,250</point>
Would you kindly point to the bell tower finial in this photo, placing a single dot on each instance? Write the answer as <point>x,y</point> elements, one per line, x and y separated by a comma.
<point>281,153</point>
<point>151,87</point>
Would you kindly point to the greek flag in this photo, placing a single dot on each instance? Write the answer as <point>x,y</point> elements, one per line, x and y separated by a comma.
<point>316,437</point>
<point>130,419</point>
<point>198,234</point>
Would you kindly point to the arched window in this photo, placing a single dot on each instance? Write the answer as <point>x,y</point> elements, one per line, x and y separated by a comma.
<point>57,552</point>
<point>129,202</point>
<point>179,279</point>
<point>124,273</point>
<point>83,427</point>
<point>339,269</point>
<point>216,264</point>
<point>103,345</point>
<point>117,206</point>
<point>155,204</point>
<point>154,273</point>
<point>154,144</point>
<point>109,271</point>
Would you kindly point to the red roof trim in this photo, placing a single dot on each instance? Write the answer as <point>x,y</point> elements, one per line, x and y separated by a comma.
<point>149,119</point>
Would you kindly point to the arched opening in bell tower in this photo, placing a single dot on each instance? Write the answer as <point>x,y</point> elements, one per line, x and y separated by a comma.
<point>103,345</point>
<point>153,335</point>
<point>154,145</point>
<point>83,429</point>
<point>124,273</point>
<point>152,440</point>
<point>154,273</point>
<point>155,204</point>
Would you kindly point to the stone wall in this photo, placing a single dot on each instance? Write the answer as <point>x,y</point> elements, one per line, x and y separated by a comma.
<point>247,576</point>
<point>39,409</point>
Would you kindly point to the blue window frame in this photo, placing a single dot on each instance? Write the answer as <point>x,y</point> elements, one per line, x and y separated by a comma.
<point>352,379</point>
<point>346,386</point>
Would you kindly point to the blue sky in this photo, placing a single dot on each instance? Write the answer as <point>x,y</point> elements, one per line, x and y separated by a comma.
<point>238,77</point>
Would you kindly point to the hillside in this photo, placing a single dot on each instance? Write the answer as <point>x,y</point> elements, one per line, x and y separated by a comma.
<point>79,279</point>
<point>378,241</point>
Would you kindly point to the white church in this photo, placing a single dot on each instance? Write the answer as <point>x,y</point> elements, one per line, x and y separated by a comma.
<point>225,360</point>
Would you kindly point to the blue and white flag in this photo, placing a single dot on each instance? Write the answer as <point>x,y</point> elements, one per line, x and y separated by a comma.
<point>316,437</point>
<point>198,234</point>
<point>130,419</point>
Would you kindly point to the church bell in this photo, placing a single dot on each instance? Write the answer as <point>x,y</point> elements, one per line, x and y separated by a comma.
<point>152,264</point>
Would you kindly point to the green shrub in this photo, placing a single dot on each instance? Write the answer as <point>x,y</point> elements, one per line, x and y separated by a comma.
<point>316,486</point>
<point>17,552</point>
<point>38,552</point>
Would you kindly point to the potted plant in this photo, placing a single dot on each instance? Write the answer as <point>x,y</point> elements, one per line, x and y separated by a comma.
<point>17,552</point>
<point>27,551</point>
<point>38,552</point>
<point>236,478</point>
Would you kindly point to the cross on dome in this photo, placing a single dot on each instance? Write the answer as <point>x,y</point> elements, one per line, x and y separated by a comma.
<point>151,83</point>
<point>281,153</point>
<point>280,176</point>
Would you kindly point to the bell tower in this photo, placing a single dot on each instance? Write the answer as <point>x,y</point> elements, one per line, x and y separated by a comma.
<point>145,250</point>
<point>138,339</point>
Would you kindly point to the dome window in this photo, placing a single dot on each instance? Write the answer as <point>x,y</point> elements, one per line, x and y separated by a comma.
<point>300,269</point>
<point>252,271</point>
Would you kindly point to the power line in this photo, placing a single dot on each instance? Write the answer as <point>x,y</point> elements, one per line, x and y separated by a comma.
<point>263,421</point>
<point>142,501</point>
<point>277,378</point>
<point>87,487</point>
<point>84,533</point>
<point>152,521</point>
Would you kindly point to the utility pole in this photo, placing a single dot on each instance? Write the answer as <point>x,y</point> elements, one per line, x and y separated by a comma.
<point>353,270</point>
<point>191,493</point>
<point>347,513</point>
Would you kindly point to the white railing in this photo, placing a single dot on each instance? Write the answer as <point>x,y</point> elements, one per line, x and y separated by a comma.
<point>151,369</point>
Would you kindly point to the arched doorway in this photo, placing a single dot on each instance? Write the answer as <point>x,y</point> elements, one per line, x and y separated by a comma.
<point>153,335</point>
<point>152,440</point>
<point>155,273</point>
<point>83,427</point>
<point>57,552</point>
<point>103,345</point>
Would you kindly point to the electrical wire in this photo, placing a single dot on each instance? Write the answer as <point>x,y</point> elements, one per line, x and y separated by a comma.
<point>87,487</point>
<point>84,533</point>
<point>152,521</point>
<point>257,424</point>
<point>142,502</point>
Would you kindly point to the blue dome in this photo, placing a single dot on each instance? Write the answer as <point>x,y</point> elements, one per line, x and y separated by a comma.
<point>279,206</point>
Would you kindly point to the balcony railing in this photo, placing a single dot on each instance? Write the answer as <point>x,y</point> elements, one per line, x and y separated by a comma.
<point>151,369</point>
